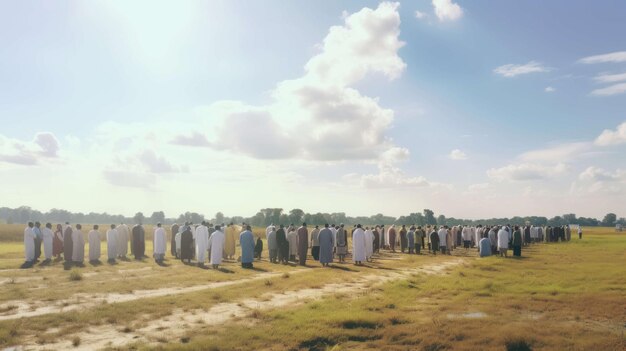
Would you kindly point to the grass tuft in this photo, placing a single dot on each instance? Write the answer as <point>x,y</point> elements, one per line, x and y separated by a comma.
<point>75,275</point>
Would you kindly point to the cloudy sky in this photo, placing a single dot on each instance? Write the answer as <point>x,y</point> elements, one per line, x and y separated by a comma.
<point>470,108</point>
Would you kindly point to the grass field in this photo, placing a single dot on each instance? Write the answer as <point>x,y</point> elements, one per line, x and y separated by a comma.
<point>565,296</point>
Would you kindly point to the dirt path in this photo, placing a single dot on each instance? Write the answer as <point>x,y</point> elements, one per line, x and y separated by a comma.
<point>181,322</point>
<point>18,309</point>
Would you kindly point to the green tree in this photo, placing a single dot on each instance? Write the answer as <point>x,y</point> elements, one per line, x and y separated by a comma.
<point>429,217</point>
<point>139,218</point>
<point>609,220</point>
<point>157,217</point>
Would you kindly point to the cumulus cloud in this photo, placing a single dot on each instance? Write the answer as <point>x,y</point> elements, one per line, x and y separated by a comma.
<point>420,15</point>
<point>320,116</point>
<point>446,10</point>
<point>389,176</point>
<point>457,155</point>
<point>514,70</point>
<point>612,137</point>
<point>44,146</point>
<point>549,90</point>
<point>614,89</point>
<point>618,56</point>
<point>594,180</point>
<point>155,163</point>
<point>194,139</point>
<point>526,172</point>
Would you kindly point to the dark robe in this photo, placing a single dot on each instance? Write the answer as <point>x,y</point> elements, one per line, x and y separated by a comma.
<point>527,235</point>
<point>517,243</point>
<point>303,245</point>
<point>258,248</point>
<point>392,239</point>
<point>174,231</point>
<point>139,242</point>
<point>68,244</point>
<point>283,245</point>
<point>376,244</point>
<point>434,242</point>
<point>459,237</point>
<point>403,240</point>
<point>186,245</point>
<point>57,243</point>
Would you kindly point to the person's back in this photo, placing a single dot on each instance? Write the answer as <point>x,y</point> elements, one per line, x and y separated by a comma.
<point>484,247</point>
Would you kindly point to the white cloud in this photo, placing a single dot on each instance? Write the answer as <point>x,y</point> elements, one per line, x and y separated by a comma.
<point>457,155</point>
<point>614,89</point>
<point>610,78</point>
<point>549,90</point>
<point>420,15</point>
<point>477,187</point>
<point>557,153</point>
<point>446,10</point>
<point>594,180</point>
<point>321,116</point>
<point>612,137</point>
<point>618,56</point>
<point>194,139</point>
<point>155,163</point>
<point>44,146</point>
<point>596,174</point>
<point>526,172</point>
<point>513,70</point>
<point>389,176</point>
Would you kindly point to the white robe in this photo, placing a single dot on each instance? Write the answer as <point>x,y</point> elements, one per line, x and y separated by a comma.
<point>48,237</point>
<point>94,245</point>
<point>78,251</point>
<point>358,245</point>
<point>202,243</point>
<point>334,231</point>
<point>292,238</point>
<point>466,234</point>
<point>112,243</point>
<point>216,245</point>
<point>177,239</point>
<point>123,234</point>
<point>159,241</point>
<point>503,239</point>
<point>369,243</point>
<point>29,244</point>
<point>443,237</point>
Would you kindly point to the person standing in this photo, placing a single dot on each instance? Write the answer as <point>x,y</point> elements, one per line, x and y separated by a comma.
<point>376,243</point>
<point>272,245</point>
<point>159,246</point>
<point>68,245</point>
<point>78,250</point>
<point>283,245</point>
<point>358,246</point>
<point>57,242</point>
<point>94,245</point>
<point>303,244</point>
<point>258,248</point>
<point>517,242</point>
<point>326,241</point>
<point>187,246</point>
<point>580,232</point>
<point>315,243</point>
<point>216,246</point>
<point>38,240</point>
<point>112,236</point>
<point>139,242</point>
<point>369,244</point>
<point>29,245</point>
<point>410,239</point>
<point>292,238</point>
<point>443,239</point>
<point>230,241</point>
<point>392,238</point>
<point>503,241</point>
<point>48,240</point>
<point>342,243</point>
<point>434,240</point>
<point>484,247</point>
<point>246,240</point>
<point>202,243</point>
<point>122,241</point>
<point>173,231</point>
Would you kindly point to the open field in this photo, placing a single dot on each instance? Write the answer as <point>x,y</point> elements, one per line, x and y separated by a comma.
<point>565,296</point>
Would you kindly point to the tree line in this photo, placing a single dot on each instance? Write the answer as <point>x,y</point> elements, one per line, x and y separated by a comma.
<point>267,216</point>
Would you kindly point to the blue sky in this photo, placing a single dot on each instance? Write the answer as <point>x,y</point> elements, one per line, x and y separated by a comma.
<point>325,106</point>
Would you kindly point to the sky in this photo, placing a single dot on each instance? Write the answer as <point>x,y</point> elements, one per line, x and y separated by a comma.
<point>474,109</point>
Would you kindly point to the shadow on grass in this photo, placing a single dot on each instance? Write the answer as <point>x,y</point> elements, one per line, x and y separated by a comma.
<point>68,265</point>
<point>162,264</point>
<point>95,263</point>
<point>225,270</point>
<point>342,268</point>
<point>259,269</point>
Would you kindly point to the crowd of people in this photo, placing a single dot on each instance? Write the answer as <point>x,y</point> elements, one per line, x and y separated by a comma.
<point>205,241</point>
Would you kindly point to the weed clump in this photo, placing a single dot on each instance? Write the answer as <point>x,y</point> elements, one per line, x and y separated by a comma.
<point>75,275</point>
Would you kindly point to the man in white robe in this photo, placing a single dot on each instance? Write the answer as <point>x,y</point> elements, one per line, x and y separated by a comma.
<point>292,238</point>
<point>29,245</point>
<point>333,229</point>
<point>78,240</point>
<point>358,246</point>
<point>48,237</point>
<point>178,238</point>
<point>94,245</point>
<point>216,246</point>
<point>160,243</point>
<point>112,236</point>
<point>123,235</point>
<point>369,244</point>
<point>443,237</point>
<point>202,243</point>
<point>503,241</point>
<point>467,237</point>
